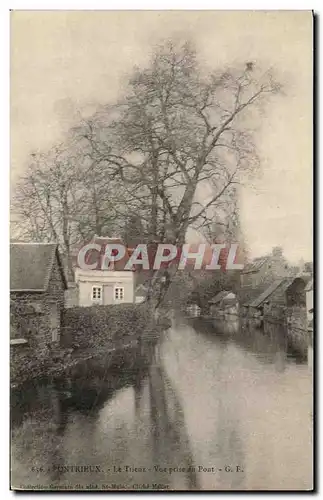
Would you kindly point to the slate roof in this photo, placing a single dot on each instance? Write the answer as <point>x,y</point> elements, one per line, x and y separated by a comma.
<point>269,291</point>
<point>254,266</point>
<point>278,287</point>
<point>220,296</point>
<point>95,257</point>
<point>31,265</point>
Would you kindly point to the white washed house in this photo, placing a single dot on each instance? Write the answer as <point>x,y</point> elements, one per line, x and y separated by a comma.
<point>102,287</point>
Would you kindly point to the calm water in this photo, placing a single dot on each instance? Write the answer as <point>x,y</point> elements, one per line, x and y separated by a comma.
<point>220,408</point>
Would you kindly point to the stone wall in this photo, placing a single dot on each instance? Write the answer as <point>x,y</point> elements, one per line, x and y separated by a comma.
<point>275,313</point>
<point>30,318</point>
<point>297,318</point>
<point>294,320</point>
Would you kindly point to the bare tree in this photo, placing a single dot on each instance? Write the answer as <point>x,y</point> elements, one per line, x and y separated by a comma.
<point>179,133</point>
<point>65,196</point>
<point>46,198</point>
<point>172,152</point>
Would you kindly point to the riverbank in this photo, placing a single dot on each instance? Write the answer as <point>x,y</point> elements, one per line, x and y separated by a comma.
<point>114,338</point>
<point>206,406</point>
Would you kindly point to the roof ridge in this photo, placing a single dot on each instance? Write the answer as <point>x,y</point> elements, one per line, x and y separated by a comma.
<point>32,243</point>
<point>267,292</point>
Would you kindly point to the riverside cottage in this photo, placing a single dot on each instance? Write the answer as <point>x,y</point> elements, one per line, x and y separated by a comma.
<point>37,286</point>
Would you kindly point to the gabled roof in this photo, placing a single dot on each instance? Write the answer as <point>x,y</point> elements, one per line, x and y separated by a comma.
<point>31,265</point>
<point>141,289</point>
<point>220,296</point>
<point>279,287</point>
<point>95,257</point>
<point>266,294</point>
<point>255,266</point>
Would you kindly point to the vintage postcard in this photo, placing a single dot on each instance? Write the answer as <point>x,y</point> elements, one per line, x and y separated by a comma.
<point>161,250</point>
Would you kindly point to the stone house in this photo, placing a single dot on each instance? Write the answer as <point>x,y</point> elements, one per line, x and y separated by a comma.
<point>225,302</point>
<point>193,310</point>
<point>287,303</point>
<point>282,303</point>
<point>255,306</point>
<point>112,285</point>
<point>37,286</point>
<point>262,271</point>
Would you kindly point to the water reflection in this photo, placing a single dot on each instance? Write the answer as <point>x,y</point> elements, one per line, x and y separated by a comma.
<point>214,396</point>
<point>247,401</point>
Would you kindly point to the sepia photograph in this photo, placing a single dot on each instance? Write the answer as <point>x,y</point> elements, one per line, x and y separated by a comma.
<point>161,250</point>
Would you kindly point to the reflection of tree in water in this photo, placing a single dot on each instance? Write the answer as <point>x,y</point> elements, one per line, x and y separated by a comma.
<point>227,447</point>
<point>53,407</point>
<point>40,413</point>
<point>170,441</point>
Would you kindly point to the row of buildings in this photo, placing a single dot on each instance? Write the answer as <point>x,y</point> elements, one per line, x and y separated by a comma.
<point>271,291</point>
<point>40,289</point>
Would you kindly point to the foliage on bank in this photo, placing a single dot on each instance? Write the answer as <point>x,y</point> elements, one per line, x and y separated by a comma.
<point>116,337</point>
<point>103,327</point>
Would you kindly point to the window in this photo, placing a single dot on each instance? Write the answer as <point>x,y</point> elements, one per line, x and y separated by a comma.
<point>55,336</point>
<point>97,293</point>
<point>119,293</point>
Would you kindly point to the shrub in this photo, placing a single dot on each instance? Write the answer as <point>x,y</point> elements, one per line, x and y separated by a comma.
<point>104,326</point>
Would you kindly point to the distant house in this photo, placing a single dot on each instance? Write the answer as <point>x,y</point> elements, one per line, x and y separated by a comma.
<point>287,303</point>
<point>255,306</point>
<point>283,302</point>
<point>193,310</point>
<point>37,286</point>
<point>263,270</point>
<point>141,292</point>
<point>224,302</point>
<point>113,285</point>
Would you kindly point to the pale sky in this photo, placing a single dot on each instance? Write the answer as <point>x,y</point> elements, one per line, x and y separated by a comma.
<point>64,63</point>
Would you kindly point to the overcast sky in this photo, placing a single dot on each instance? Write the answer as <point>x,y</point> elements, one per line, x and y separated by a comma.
<point>65,63</point>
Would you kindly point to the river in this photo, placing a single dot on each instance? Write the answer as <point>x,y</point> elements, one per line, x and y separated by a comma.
<point>220,408</point>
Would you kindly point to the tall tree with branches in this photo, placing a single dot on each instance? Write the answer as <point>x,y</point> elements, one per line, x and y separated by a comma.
<point>179,139</point>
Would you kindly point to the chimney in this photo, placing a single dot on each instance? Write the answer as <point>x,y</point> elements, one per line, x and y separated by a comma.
<point>277,252</point>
